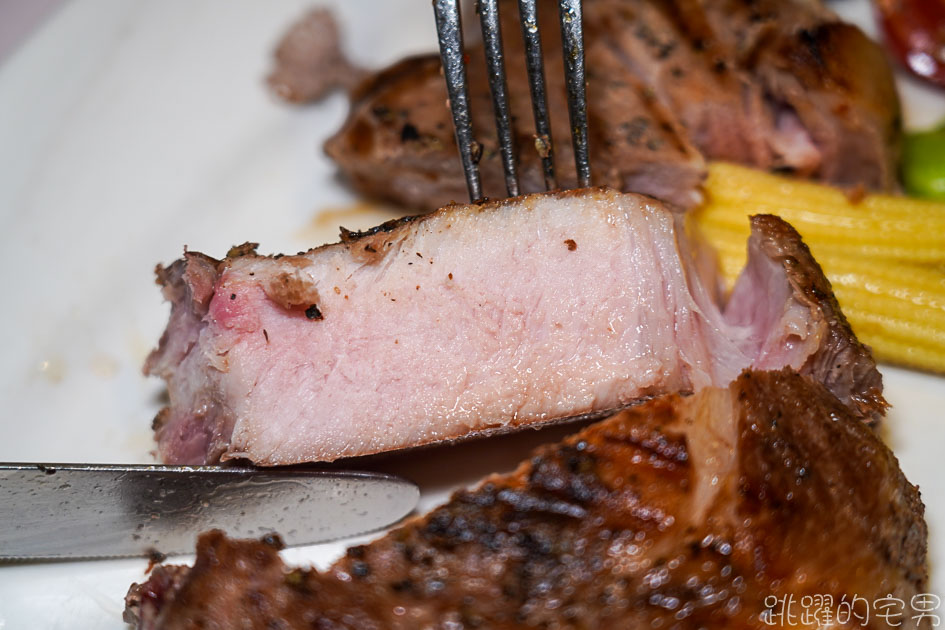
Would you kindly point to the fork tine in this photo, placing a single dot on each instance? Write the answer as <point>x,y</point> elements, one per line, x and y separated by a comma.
<point>528,15</point>
<point>492,40</point>
<point>450,35</point>
<point>572,38</point>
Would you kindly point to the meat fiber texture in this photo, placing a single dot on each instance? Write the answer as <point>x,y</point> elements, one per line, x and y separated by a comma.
<point>777,84</point>
<point>477,319</point>
<point>706,511</point>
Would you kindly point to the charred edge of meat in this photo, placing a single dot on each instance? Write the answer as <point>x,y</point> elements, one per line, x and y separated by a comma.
<point>351,236</point>
<point>246,249</point>
<point>190,281</point>
<point>844,364</point>
<point>803,472</point>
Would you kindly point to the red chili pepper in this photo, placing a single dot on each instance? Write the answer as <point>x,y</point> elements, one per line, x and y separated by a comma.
<point>915,33</point>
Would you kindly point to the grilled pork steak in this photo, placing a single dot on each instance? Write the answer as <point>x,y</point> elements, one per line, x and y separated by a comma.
<point>696,512</point>
<point>476,319</point>
<point>778,84</point>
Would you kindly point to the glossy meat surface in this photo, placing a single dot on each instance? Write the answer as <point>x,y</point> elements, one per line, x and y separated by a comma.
<point>688,511</point>
<point>477,319</point>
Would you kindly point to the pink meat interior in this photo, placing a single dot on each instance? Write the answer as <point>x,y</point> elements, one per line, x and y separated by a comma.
<point>470,320</point>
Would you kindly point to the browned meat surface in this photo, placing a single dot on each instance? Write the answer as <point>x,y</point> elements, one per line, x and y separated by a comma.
<point>779,84</point>
<point>784,273</point>
<point>309,60</point>
<point>398,140</point>
<point>479,319</point>
<point>693,512</point>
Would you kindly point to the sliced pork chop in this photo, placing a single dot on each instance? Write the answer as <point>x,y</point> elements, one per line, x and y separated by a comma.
<point>703,511</point>
<point>476,319</point>
<point>777,84</point>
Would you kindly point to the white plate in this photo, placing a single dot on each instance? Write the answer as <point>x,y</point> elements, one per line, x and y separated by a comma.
<point>130,129</point>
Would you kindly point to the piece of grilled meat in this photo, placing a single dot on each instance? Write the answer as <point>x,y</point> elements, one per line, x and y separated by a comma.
<point>778,84</point>
<point>478,319</point>
<point>693,512</point>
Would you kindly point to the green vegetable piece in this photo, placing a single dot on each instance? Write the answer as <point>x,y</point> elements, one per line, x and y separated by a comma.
<point>923,165</point>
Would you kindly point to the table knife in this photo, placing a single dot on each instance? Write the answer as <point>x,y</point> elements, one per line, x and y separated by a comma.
<point>50,511</point>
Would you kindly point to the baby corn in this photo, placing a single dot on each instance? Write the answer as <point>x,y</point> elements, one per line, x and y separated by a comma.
<point>884,255</point>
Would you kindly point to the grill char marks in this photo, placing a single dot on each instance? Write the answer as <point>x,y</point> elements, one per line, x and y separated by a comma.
<point>782,85</point>
<point>685,509</point>
<point>795,453</point>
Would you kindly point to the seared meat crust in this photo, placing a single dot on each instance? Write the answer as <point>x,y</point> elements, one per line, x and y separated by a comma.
<point>841,362</point>
<point>778,84</point>
<point>697,511</point>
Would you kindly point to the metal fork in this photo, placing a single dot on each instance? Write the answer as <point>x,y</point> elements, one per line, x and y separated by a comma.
<point>449,30</point>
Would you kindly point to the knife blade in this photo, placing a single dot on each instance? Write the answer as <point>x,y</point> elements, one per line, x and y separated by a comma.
<point>50,511</point>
